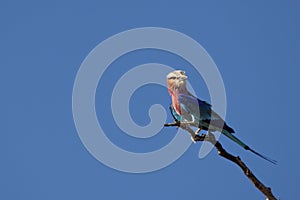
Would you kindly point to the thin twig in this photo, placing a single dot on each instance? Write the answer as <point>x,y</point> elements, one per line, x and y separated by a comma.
<point>222,152</point>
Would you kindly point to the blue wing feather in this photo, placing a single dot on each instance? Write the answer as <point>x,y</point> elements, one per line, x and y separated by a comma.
<point>199,109</point>
<point>202,113</point>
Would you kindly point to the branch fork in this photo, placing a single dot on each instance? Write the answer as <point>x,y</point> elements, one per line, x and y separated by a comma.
<point>222,152</point>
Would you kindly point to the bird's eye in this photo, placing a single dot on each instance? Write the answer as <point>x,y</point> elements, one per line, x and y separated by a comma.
<point>182,72</point>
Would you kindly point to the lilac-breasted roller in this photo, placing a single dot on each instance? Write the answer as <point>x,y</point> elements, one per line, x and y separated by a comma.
<point>189,109</point>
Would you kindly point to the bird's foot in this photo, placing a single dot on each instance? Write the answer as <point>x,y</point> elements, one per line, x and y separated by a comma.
<point>188,123</point>
<point>195,135</point>
<point>193,139</point>
<point>198,131</point>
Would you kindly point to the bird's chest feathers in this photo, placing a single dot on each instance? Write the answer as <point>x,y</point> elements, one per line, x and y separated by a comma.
<point>175,102</point>
<point>176,105</point>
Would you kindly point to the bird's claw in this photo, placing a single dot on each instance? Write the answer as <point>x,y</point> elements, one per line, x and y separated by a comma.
<point>198,131</point>
<point>193,139</point>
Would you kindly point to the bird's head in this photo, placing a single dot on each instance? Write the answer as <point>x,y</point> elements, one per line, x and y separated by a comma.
<point>176,80</point>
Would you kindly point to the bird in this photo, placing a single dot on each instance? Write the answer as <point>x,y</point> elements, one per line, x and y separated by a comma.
<point>188,109</point>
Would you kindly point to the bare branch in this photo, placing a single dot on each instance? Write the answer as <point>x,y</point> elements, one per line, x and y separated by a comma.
<point>222,152</point>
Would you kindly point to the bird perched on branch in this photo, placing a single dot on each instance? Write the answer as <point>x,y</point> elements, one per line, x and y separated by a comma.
<point>188,109</point>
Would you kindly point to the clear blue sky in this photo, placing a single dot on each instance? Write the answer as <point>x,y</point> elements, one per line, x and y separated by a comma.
<point>255,46</point>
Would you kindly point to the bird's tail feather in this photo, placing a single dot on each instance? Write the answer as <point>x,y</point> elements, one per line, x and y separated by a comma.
<point>262,156</point>
<point>242,144</point>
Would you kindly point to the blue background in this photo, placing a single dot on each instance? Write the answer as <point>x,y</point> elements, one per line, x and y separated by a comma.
<point>255,46</point>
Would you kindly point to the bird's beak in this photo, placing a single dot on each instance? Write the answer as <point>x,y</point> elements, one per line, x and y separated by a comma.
<point>183,78</point>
